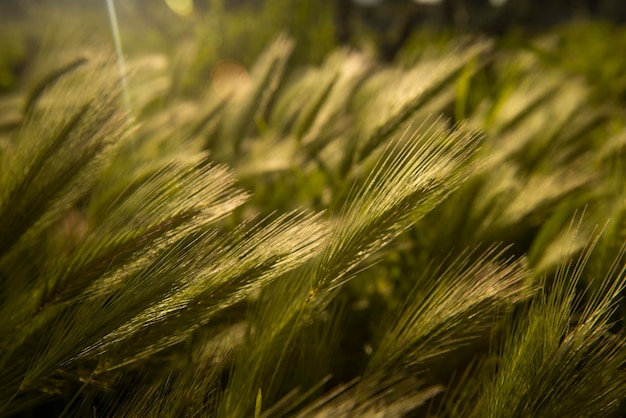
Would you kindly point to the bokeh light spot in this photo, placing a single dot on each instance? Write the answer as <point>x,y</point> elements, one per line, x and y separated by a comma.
<point>228,76</point>
<point>180,7</point>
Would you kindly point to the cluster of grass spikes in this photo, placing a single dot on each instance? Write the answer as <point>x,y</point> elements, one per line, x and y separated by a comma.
<point>346,239</point>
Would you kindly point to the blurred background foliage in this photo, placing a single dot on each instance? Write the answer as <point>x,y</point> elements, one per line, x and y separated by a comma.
<point>210,30</point>
<point>505,259</point>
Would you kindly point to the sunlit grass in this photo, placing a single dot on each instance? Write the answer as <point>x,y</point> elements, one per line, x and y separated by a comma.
<point>287,238</point>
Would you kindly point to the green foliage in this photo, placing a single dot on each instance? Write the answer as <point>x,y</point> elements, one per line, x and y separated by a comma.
<point>572,50</point>
<point>310,238</point>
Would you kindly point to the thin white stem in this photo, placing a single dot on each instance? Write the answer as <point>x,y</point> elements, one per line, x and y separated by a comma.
<point>118,50</point>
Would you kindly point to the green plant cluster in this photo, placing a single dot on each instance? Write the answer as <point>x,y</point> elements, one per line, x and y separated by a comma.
<point>442,237</point>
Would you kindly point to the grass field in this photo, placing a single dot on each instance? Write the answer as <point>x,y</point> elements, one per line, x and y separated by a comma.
<point>230,215</point>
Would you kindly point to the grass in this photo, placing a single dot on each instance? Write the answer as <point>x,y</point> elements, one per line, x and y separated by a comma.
<point>438,237</point>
